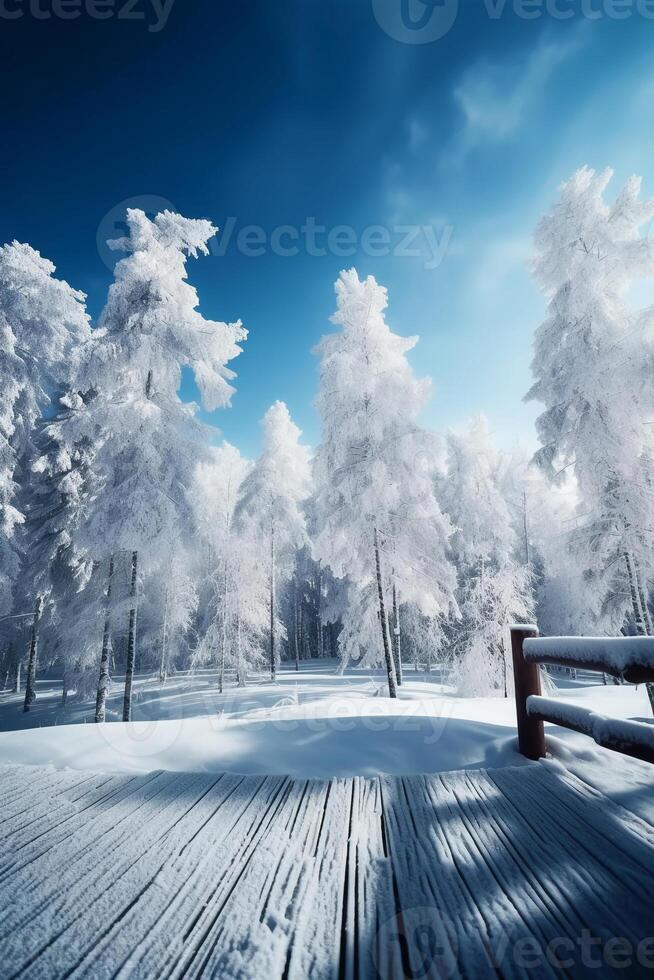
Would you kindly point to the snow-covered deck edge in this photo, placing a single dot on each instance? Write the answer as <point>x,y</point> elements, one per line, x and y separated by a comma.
<point>634,738</point>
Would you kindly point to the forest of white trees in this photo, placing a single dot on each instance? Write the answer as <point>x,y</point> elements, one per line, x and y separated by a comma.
<point>130,541</point>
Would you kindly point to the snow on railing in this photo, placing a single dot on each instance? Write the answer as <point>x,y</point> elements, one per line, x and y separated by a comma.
<point>633,738</point>
<point>631,658</point>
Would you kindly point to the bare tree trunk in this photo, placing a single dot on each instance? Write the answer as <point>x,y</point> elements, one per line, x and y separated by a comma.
<point>131,642</point>
<point>397,640</point>
<point>10,664</point>
<point>163,668</point>
<point>639,613</point>
<point>30,687</point>
<point>17,677</point>
<point>64,688</point>
<point>647,619</point>
<point>273,665</point>
<point>103,680</point>
<point>388,656</point>
<point>223,642</point>
<point>319,616</point>
<point>525,525</point>
<point>240,680</point>
<point>635,602</point>
<point>296,630</point>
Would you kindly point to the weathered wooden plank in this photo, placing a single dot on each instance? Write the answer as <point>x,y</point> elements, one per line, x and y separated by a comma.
<point>433,899</point>
<point>61,894</point>
<point>175,875</point>
<point>607,887</point>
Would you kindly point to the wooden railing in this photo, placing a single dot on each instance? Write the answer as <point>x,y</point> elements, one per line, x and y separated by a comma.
<point>629,658</point>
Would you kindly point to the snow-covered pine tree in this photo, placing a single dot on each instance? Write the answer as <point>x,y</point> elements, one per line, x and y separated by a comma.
<point>270,514</point>
<point>494,583</point>
<point>56,567</point>
<point>218,484</point>
<point>587,362</point>
<point>150,441</point>
<point>43,325</point>
<point>379,522</point>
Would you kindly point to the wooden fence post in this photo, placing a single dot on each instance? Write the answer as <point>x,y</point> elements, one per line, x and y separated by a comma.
<point>526,677</point>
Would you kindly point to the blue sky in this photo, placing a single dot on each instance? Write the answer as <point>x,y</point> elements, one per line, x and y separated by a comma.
<point>274,113</point>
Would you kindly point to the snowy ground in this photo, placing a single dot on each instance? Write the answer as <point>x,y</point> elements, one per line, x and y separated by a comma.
<point>313,724</point>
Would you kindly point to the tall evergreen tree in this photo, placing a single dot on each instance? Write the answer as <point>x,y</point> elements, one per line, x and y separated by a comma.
<point>218,487</point>
<point>587,359</point>
<point>149,440</point>
<point>494,582</point>
<point>270,513</point>
<point>379,522</point>
<point>43,326</point>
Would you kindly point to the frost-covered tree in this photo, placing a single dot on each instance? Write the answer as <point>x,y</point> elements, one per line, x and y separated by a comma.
<point>56,567</point>
<point>218,484</point>
<point>379,522</point>
<point>270,514</point>
<point>149,440</point>
<point>494,583</point>
<point>587,362</point>
<point>43,325</point>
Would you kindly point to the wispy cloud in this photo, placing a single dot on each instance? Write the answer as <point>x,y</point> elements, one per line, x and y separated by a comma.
<point>496,98</point>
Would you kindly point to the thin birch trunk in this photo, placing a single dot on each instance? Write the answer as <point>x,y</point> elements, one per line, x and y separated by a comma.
<point>388,656</point>
<point>223,643</point>
<point>296,630</point>
<point>17,676</point>
<point>10,664</point>
<point>163,669</point>
<point>103,680</point>
<point>505,670</point>
<point>239,658</point>
<point>319,612</point>
<point>647,619</point>
<point>273,665</point>
<point>397,640</point>
<point>131,643</point>
<point>525,525</point>
<point>30,686</point>
<point>635,602</point>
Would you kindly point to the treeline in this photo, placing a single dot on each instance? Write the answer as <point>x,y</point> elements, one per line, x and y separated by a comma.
<point>127,539</point>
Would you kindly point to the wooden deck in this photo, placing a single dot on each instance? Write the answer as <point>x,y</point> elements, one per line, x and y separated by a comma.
<point>467,873</point>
